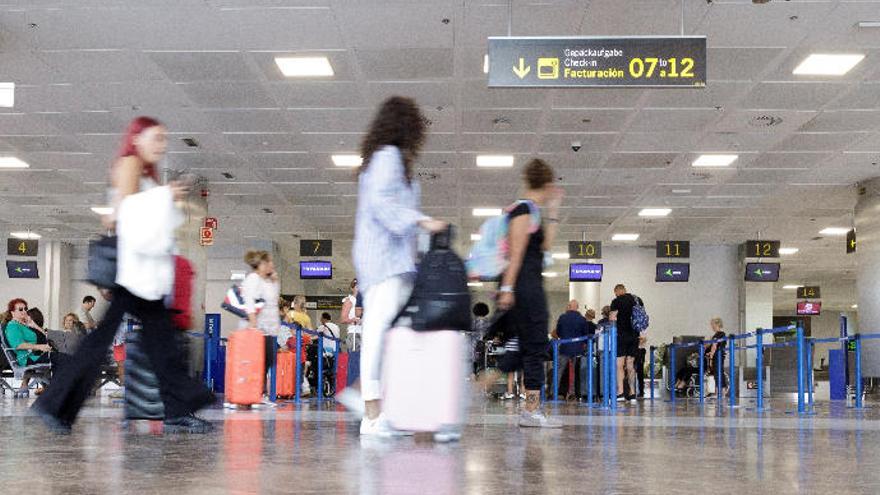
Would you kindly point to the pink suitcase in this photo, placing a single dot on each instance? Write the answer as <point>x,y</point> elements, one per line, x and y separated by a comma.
<point>423,375</point>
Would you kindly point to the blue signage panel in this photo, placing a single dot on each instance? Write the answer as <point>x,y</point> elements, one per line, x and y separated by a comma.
<point>762,272</point>
<point>673,272</point>
<point>22,269</point>
<point>585,272</point>
<point>315,270</point>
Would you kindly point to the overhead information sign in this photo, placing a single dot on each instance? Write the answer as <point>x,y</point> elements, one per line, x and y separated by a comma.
<point>762,249</point>
<point>851,242</point>
<point>583,250</point>
<point>673,249</point>
<point>640,61</point>
<point>316,247</point>
<point>22,247</point>
<point>22,269</point>
<point>809,292</point>
<point>762,272</point>
<point>673,272</point>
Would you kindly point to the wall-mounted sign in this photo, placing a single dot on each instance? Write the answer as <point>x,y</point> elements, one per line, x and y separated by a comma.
<point>851,242</point>
<point>315,270</point>
<point>584,61</point>
<point>22,269</point>
<point>22,247</point>
<point>673,249</point>
<point>673,272</point>
<point>211,223</point>
<point>583,250</point>
<point>585,272</point>
<point>315,247</point>
<point>206,236</point>
<point>809,292</point>
<point>762,272</point>
<point>762,249</point>
<point>805,308</point>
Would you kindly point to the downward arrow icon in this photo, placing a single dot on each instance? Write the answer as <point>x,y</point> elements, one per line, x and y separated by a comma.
<point>523,69</point>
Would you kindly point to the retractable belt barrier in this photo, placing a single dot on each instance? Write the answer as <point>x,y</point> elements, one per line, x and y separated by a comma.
<point>298,376</point>
<point>609,361</point>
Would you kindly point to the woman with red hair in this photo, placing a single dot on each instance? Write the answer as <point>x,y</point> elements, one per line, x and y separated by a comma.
<point>29,341</point>
<point>144,218</point>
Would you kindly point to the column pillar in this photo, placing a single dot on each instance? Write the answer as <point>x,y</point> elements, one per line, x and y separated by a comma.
<point>587,294</point>
<point>867,225</point>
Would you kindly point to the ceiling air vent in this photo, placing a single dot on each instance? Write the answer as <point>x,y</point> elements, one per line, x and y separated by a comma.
<point>268,210</point>
<point>501,123</point>
<point>228,176</point>
<point>765,121</point>
<point>701,175</point>
<point>192,143</point>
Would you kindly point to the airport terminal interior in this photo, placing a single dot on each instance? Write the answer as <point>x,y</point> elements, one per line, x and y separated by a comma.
<point>717,159</point>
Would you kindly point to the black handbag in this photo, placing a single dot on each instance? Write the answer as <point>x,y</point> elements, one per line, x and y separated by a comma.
<point>440,299</point>
<point>102,262</point>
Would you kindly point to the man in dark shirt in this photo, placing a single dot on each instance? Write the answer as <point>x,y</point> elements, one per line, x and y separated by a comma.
<point>627,341</point>
<point>570,325</point>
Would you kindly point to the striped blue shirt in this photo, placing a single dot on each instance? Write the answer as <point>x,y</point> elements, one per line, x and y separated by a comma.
<point>386,225</point>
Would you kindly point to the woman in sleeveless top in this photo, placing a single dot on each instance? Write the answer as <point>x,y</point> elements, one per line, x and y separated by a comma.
<point>145,274</point>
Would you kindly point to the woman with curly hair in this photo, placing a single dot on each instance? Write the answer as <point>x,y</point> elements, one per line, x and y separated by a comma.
<point>386,225</point>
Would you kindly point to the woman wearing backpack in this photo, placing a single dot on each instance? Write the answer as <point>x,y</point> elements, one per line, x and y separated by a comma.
<point>522,285</point>
<point>387,222</point>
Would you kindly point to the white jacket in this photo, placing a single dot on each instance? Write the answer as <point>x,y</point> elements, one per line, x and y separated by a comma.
<point>145,225</point>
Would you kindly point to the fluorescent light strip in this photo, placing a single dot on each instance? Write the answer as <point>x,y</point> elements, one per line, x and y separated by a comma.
<point>7,95</point>
<point>102,210</point>
<point>834,231</point>
<point>25,235</point>
<point>12,162</point>
<point>655,212</point>
<point>826,64</point>
<point>791,287</point>
<point>495,161</point>
<point>625,237</point>
<point>475,284</point>
<point>714,160</point>
<point>788,250</point>
<point>550,274</point>
<point>486,212</point>
<point>347,161</point>
<point>486,63</point>
<point>560,256</point>
<point>304,66</point>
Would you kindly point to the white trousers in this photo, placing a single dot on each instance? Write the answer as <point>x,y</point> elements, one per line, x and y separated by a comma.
<point>382,303</point>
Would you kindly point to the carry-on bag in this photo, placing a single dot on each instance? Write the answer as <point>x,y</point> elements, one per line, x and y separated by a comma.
<point>245,367</point>
<point>285,374</point>
<point>424,379</point>
<point>142,398</point>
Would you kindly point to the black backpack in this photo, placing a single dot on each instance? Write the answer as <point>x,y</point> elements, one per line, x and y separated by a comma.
<point>440,299</point>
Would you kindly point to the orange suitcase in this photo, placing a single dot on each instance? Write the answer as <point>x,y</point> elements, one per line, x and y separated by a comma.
<point>245,367</point>
<point>285,374</point>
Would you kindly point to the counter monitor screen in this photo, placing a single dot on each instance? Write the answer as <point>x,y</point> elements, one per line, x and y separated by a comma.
<point>673,272</point>
<point>805,308</point>
<point>22,269</point>
<point>762,272</point>
<point>315,270</point>
<point>585,272</point>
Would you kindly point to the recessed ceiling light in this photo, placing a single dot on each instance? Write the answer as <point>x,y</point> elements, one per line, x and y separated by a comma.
<point>25,235</point>
<point>349,161</point>
<point>475,284</point>
<point>681,191</point>
<point>494,161</point>
<point>103,210</point>
<point>486,63</point>
<point>476,237</point>
<point>714,160</point>
<point>550,274</point>
<point>7,95</point>
<point>788,250</point>
<point>12,162</point>
<point>625,237</point>
<point>560,256</point>
<point>304,66</point>
<point>655,212</point>
<point>855,306</point>
<point>834,231</point>
<point>486,212</point>
<point>791,287</point>
<point>819,64</point>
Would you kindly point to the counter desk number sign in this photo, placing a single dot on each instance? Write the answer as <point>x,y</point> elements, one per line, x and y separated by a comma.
<point>21,247</point>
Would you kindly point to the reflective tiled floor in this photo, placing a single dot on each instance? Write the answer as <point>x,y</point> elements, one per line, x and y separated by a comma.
<point>643,448</point>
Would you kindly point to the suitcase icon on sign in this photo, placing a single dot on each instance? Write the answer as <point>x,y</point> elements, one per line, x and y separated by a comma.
<point>548,68</point>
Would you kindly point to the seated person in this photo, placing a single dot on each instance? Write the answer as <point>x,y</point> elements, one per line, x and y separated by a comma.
<point>29,340</point>
<point>72,324</point>
<point>693,360</point>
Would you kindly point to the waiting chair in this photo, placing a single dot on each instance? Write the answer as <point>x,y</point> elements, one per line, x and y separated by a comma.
<point>40,371</point>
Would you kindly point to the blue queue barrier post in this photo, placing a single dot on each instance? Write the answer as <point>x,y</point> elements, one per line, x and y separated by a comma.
<point>734,379</point>
<point>606,371</point>
<point>613,366</point>
<point>320,367</point>
<point>759,363</point>
<point>719,372</point>
<point>670,380</point>
<point>857,378</point>
<point>800,369</point>
<point>590,344</point>
<point>811,346</point>
<point>651,349</point>
<point>298,356</point>
<point>702,371</point>
<point>555,370</point>
<point>273,371</point>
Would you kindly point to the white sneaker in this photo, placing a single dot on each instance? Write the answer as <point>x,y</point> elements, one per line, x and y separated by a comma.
<point>447,436</point>
<point>538,419</point>
<point>118,394</point>
<point>522,396</point>
<point>507,396</point>
<point>380,427</point>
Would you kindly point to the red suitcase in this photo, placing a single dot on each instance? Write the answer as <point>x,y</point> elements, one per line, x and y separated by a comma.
<point>285,374</point>
<point>424,377</point>
<point>341,371</point>
<point>245,367</point>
